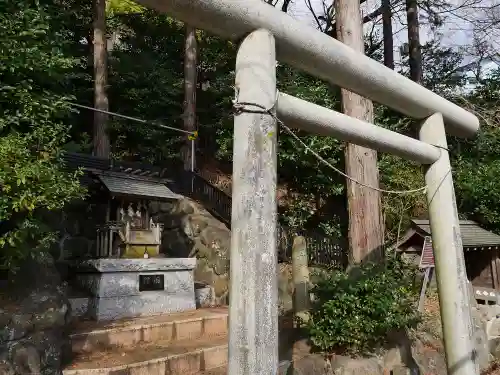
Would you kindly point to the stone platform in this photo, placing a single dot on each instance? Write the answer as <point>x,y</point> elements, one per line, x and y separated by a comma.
<point>123,288</point>
<point>191,342</point>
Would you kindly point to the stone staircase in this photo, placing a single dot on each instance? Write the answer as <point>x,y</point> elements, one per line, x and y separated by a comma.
<point>191,342</point>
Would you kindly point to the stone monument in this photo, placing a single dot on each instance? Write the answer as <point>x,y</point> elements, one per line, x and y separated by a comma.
<point>122,288</point>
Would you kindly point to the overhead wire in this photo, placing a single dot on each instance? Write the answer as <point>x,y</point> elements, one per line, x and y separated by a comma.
<point>191,133</point>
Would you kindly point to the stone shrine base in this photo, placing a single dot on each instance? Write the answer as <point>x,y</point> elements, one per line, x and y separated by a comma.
<point>124,288</point>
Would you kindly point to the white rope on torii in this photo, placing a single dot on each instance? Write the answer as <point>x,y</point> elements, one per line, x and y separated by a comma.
<point>266,33</point>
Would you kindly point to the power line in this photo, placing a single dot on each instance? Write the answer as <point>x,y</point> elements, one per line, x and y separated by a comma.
<point>134,119</point>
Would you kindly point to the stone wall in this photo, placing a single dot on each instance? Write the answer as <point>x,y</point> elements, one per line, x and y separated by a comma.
<point>76,226</point>
<point>417,352</point>
<point>487,317</point>
<point>190,230</point>
<point>34,319</point>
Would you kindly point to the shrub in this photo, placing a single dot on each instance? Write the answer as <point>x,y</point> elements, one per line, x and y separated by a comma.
<point>33,129</point>
<point>355,310</point>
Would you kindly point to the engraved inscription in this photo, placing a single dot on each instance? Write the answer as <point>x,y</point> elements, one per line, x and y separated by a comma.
<point>151,282</point>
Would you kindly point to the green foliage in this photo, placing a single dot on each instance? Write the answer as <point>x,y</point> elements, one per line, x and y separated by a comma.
<point>146,81</point>
<point>355,310</point>
<point>32,129</point>
<point>123,6</point>
<point>398,174</point>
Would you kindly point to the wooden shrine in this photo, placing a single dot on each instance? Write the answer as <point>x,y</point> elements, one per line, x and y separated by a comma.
<point>129,230</point>
<point>481,251</point>
<point>117,282</point>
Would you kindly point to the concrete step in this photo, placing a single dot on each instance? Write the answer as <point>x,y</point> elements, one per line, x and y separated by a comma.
<point>184,357</point>
<point>89,337</point>
<point>216,371</point>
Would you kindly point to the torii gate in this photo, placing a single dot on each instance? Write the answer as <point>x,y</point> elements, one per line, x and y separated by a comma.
<point>253,314</point>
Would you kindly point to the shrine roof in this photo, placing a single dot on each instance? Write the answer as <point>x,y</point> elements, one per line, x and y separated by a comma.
<point>123,178</point>
<point>132,186</point>
<point>473,235</point>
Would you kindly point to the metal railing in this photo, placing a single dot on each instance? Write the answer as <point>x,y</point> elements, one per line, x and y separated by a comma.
<point>322,250</point>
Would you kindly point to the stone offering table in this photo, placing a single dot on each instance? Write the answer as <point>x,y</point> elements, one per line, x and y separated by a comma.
<point>123,288</point>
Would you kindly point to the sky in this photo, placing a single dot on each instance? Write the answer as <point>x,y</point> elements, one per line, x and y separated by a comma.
<point>457,30</point>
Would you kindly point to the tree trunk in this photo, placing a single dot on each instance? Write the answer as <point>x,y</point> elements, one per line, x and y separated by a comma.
<point>190,77</point>
<point>415,53</point>
<point>363,204</point>
<point>387,33</point>
<point>101,138</point>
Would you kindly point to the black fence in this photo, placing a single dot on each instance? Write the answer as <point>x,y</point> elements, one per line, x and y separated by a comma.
<point>212,198</point>
<point>322,250</point>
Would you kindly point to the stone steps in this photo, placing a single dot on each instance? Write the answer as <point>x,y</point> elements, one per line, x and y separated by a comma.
<point>159,358</point>
<point>216,371</point>
<point>184,343</point>
<point>88,337</point>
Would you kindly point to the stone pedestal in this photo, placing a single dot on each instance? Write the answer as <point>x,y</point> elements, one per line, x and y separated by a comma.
<point>122,288</point>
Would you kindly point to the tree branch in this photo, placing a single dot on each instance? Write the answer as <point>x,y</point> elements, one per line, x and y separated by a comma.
<point>316,18</point>
<point>286,4</point>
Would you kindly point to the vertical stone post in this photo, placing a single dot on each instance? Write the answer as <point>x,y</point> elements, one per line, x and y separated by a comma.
<point>451,276</point>
<point>253,309</point>
<point>300,275</point>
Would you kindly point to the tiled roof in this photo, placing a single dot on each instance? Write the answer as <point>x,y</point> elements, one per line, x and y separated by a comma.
<point>136,187</point>
<point>472,234</point>
<point>90,162</point>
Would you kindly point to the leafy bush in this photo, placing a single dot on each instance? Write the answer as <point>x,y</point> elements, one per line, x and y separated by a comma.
<point>32,129</point>
<point>355,310</point>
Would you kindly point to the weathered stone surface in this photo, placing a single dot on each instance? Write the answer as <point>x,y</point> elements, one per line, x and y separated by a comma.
<point>114,287</point>
<point>6,368</point>
<point>150,303</point>
<point>430,359</point>
<point>486,319</point>
<point>75,247</point>
<point>312,364</point>
<point>204,295</point>
<point>285,288</point>
<point>494,347</point>
<point>135,265</point>
<point>116,284</point>
<point>494,329</point>
<point>191,231</point>
<point>427,345</point>
<point>33,324</point>
<point>16,327</point>
<point>76,225</point>
<point>488,312</point>
<point>356,366</point>
<point>401,370</point>
<point>26,358</point>
<point>481,345</point>
<point>398,354</point>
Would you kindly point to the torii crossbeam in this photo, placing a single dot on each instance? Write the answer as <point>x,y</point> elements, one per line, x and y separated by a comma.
<point>266,32</point>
